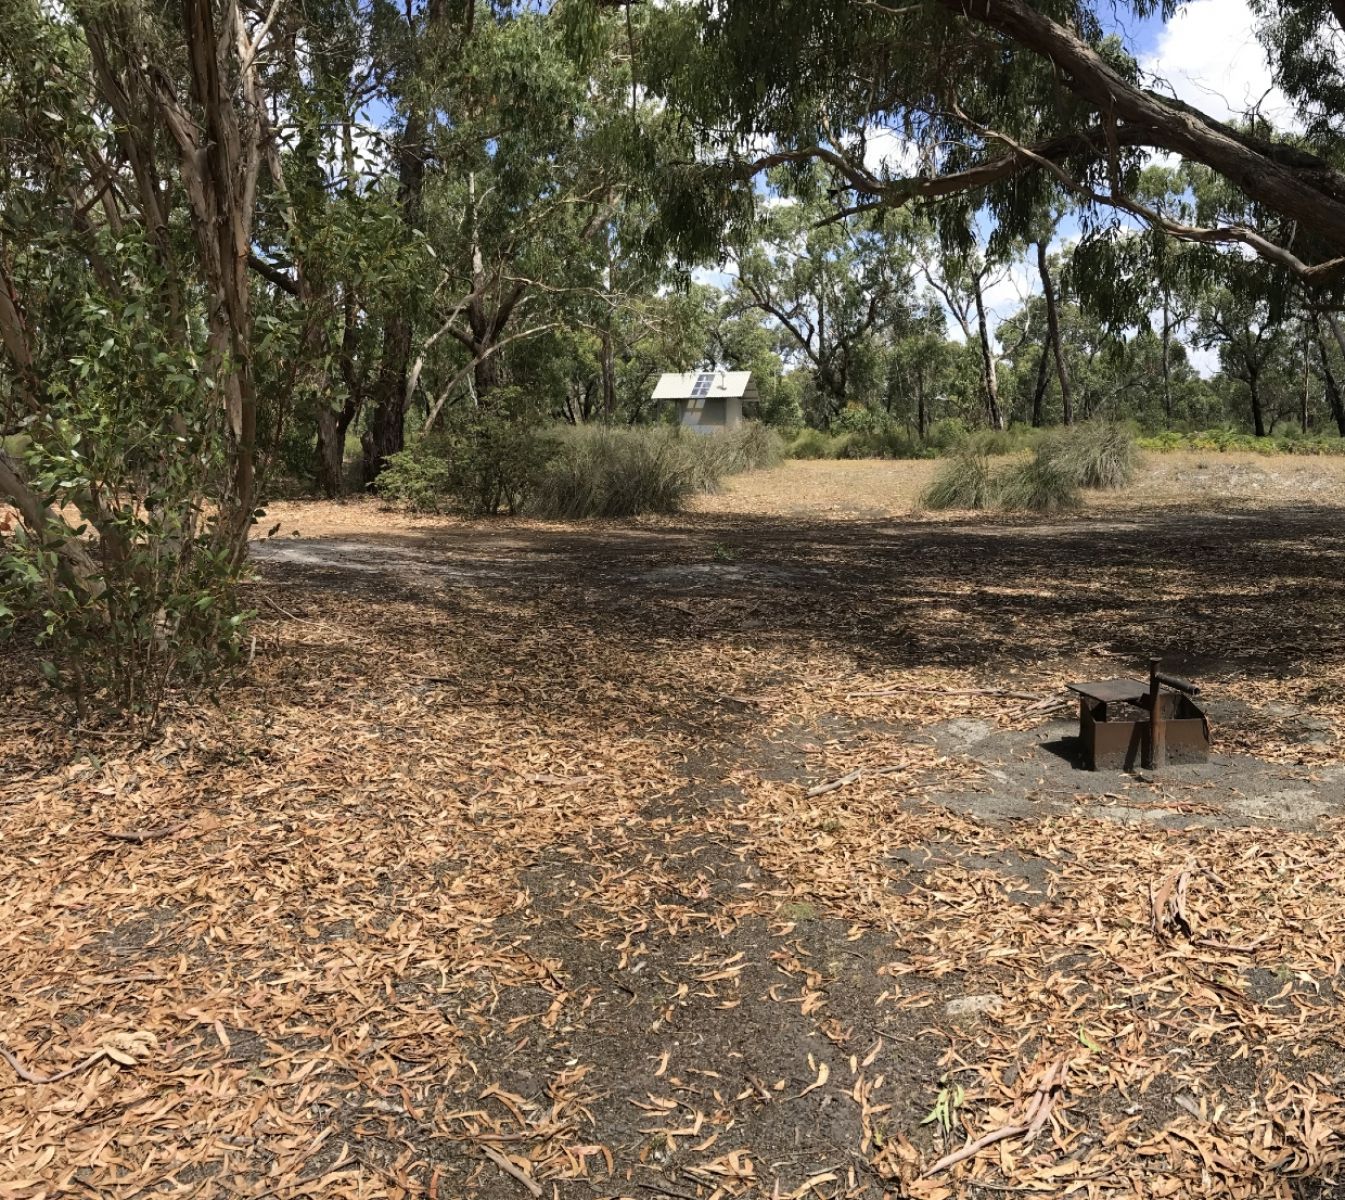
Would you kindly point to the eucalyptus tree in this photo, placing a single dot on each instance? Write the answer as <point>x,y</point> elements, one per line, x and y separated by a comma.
<point>135,146</point>
<point>834,287</point>
<point>919,359</point>
<point>1004,105</point>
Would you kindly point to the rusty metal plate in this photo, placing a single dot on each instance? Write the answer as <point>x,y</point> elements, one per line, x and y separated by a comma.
<point>1112,691</point>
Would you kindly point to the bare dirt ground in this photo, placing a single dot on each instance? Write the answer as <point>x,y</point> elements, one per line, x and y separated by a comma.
<point>738,854</point>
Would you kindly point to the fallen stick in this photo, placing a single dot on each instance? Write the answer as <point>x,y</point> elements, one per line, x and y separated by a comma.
<point>846,780</point>
<point>29,1077</point>
<point>822,789</point>
<point>1032,1121</point>
<point>1001,692</point>
<point>140,836</point>
<point>284,612</point>
<point>509,1169</point>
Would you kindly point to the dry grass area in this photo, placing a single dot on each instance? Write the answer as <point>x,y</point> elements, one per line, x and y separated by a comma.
<point>868,488</point>
<point>731,855</point>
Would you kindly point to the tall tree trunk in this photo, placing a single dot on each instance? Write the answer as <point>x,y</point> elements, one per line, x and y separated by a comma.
<point>608,376</point>
<point>1258,414</point>
<point>989,379</point>
<point>921,416</point>
<point>1307,378</point>
<point>1333,396</point>
<point>386,434</point>
<point>1039,392</point>
<point>1167,362</point>
<point>1053,325</point>
<point>331,453</point>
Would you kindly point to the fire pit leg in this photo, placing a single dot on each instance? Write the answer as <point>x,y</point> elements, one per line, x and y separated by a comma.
<point>1157,753</point>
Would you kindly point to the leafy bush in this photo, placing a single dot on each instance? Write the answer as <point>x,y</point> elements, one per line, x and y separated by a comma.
<point>141,593</point>
<point>421,476</point>
<point>1035,485</point>
<point>1227,440</point>
<point>946,434</point>
<point>877,439</point>
<point>598,471</point>
<point>486,461</point>
<point>1096,454</point>
<point>813,443</point>
<point>962,482</point>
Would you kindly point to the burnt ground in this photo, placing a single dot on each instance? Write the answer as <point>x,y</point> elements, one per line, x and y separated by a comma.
<point>513,868</point>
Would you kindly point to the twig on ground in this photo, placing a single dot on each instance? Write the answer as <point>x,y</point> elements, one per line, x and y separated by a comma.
<point>846,780</point>
<point>140,836</point>
<point>29,1077</point>
<point>509,1169</point>
<point>284,612</point>
<point>1038,1110</point>
<point>1003,693</point>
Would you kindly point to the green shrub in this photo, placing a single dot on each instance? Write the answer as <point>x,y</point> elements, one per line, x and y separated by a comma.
<point>876,439</point>
<point>598,471</point>
<point>962,482</point>
<point>486,461</point>
<point>886,441</point>
<point>1096,454</point>
<point>1227,440</point>
<point>140,593</point>
<point>1035,485</point>
<point>421,476</point>
<point>946,433</point>
<point>813,443</point>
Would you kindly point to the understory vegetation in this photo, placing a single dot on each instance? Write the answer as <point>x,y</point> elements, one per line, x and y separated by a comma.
<point>1095,455</point>
<point>569,473</point>
<point>251,249</point>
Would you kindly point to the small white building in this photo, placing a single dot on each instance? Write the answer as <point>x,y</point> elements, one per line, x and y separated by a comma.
<point>708,401</point>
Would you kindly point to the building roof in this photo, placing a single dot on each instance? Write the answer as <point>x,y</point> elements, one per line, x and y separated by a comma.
<point>692,385</point>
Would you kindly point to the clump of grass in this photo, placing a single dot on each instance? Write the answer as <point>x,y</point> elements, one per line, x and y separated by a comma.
<point>1034,485</point>
<point>813,443</point>
<point>751,447</point>
<point>963,482</point>
<point>602,472</point>
<point>597,471</point>
<point>1096,454</point>
<point>996,443</point>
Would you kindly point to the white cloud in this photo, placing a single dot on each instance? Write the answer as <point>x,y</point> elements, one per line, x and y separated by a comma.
<point>885,149</point>
<point>723,277</point>
<point>1209,56</point>
<point>1204,361</point>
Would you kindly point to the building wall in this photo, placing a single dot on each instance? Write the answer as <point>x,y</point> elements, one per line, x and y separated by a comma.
<point>711,413</point>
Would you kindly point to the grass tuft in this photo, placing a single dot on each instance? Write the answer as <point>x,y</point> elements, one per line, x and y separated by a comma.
<point>964,482</point>
<point>1034,485</point>
<point>1096,454</point>
<point>597,471</point>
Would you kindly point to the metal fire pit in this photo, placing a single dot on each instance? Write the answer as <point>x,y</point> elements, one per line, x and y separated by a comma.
<point>1124,723</point>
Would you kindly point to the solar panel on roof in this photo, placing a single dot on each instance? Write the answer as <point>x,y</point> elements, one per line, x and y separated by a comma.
<point>703,384</point>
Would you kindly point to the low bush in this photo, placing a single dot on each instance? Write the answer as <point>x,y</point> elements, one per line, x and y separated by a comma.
<point>946,434</point>
<point>1095,454</point>
<point>886,441</point>
<point>813,443</point>
<point>421,476</point>
<point>597,471</point>
<point>1224,441</point>
<point>1036,485</point>
<point>751,447</point>
<point>483,463</point>
<point>963,482</point>
<point>876,440</point>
